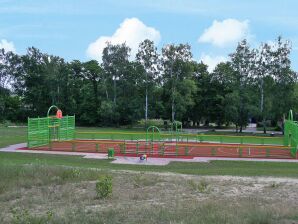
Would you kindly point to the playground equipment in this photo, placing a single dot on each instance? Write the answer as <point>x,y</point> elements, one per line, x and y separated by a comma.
<point>43,130</point>
<point>58,133</point>
<point>291,133</point>
<point>176,126</point>
<point>153,133</point>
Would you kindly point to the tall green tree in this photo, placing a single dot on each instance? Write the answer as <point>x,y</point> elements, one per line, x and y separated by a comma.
<point>176,69</point>
<point>148,57</point>
<point>262,71</point>
<point>114,62</point>
<point>223,82</point>
<point>284,77</point>
<point>241,61</point>
<point>94,73</point>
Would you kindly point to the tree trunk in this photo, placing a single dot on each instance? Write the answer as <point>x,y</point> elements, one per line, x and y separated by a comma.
<point>173,109</point>
<point>115,91</point>
<point>262,105</point>
<point>264,126</point>
<point>146,102</point>
<point>95,90</point>
<point>173,92</point>
<point>146,108</point>
<point>107,94</point>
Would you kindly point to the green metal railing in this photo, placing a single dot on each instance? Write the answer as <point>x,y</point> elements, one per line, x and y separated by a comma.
<point>179,137</point>
<point>42,130</point>
<point>132,148</point>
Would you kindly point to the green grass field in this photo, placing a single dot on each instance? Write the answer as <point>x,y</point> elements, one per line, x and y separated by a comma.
<point>138,134</point>
<point>239,168</point>
<point>10,136</point>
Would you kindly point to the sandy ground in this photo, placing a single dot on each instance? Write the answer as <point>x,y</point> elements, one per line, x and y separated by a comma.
<point>138,197</point>
<point>136,160</point>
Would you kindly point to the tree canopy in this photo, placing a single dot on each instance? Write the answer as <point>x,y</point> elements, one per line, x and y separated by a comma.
<point>254,84</point>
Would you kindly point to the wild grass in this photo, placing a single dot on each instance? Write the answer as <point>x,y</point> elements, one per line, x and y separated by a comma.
<point>48,194</point>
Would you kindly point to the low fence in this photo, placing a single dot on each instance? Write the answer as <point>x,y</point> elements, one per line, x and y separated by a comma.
<point>168,149</point>
<point>166,137</point>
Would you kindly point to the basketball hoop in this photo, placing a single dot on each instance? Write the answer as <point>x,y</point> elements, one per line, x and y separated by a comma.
<point>59,114</point>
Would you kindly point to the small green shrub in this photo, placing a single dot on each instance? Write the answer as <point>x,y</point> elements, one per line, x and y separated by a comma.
<point>201,187</point>
<point>104,186</point>
<point>151,122</point>
<point>23,216</point>
<point>70,174</point>
<point>274,185</point>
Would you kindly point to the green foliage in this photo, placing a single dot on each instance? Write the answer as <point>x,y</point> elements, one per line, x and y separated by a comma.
<point>104,186</point>
<point>23,216</point>
<point>170,86</point>
<point>202,186</point>
<point>151,122</point>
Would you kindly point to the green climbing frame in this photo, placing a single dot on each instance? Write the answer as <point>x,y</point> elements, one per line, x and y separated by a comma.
<point>41,131</point>
<point>291,134</point>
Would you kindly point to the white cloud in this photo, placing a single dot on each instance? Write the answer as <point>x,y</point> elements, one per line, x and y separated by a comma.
<point>131,31</point>
<point>212,61</point>
<point>8,46</point>
<point>228,31</point>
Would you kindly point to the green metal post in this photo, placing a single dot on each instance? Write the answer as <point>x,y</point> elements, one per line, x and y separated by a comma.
<point>240,152</point>
<point>213,151</point>
<point>186,150</point>
<point>137,147</point>
<point>267,152</point>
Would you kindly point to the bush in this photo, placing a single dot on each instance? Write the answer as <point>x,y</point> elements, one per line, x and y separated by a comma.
<point>201,187</point>
<point>151,122</point>
<point>104,186</point>
<point>160,123</point>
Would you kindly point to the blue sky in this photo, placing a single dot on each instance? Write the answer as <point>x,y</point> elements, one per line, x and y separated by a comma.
<point>79,29</point>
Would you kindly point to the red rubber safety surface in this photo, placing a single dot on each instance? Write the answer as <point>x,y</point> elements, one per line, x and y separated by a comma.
<point>171,149</point>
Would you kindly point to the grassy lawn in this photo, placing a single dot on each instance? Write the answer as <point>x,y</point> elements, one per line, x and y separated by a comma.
<point>137,134</point>
<point>10,136</point>
<point>238,168</point>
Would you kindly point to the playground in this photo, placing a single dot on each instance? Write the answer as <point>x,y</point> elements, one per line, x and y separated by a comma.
<point>52,177</point>
<point>58,133</point>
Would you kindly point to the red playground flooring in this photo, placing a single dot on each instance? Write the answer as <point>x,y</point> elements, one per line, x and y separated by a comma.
<point>171,149</point>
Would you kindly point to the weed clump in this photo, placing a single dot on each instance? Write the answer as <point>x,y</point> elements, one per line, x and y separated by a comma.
<point>104,186</point>
<point>202,186</point>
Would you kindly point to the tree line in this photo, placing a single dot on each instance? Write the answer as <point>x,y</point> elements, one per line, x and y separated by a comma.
<point>255,83</point>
